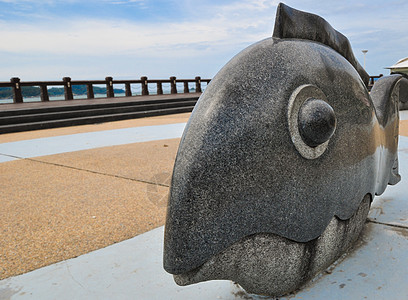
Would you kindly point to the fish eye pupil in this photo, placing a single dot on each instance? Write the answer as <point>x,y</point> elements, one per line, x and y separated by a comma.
<point>316,122</point>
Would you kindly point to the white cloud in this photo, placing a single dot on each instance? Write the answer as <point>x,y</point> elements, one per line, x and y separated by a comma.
<point>99,37</point>
<point>126,1</point>
<point>76,47</point>
<point>206,30</point>
<point>232,25</point>
<point>138,3</point>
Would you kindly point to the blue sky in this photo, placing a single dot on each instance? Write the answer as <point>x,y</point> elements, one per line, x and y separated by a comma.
<point>50,39</point>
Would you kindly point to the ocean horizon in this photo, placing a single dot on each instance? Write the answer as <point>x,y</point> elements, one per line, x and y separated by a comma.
<point>56,98</point>
<point>135,92</point>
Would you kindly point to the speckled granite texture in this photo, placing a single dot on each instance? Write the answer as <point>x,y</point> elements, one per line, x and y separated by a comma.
<point>403,103</point>
<point>244,167</point>
<point>274,265</point>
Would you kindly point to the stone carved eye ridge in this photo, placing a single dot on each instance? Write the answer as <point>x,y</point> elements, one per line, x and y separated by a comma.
<point>311,121</point>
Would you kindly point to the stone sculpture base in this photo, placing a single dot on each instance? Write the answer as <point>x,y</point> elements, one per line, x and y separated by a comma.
<point>268,264</point>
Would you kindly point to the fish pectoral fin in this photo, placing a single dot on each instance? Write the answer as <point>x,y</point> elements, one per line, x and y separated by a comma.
<point>384,93</point>
<point>395,177</point>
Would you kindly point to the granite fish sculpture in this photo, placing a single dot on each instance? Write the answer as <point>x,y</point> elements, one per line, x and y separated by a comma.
<point>280,160</point>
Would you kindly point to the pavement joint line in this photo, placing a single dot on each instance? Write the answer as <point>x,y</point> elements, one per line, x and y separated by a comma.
<point>13,156</point>
<point>387,224</point>
<point>70,274</point>
<point>94,172</point>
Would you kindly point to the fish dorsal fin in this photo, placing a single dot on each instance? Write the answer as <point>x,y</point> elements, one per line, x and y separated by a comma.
<point>295,24</point>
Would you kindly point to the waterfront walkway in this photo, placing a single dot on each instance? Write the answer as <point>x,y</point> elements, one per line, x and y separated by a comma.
<point>95,101</point>
<point>67,192</point>
<point>19,117</point>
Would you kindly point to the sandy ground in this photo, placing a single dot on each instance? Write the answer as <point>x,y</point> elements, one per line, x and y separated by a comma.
<point>61,206</point>
<point>403,129</point>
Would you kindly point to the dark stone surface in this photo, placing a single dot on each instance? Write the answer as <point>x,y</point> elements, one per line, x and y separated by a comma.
<point>317,122</point>
<point>274,265</point>
<point>238,171</point>
<point>295,24</point>
<point>243,168</point>
<point>403,94</point>
<point>403,91</point>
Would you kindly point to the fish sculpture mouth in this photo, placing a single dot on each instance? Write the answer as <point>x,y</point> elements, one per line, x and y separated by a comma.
<point>272,262</point>
<point>282,155</point>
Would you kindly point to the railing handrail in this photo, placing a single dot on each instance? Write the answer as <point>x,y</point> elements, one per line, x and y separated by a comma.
<point>372,79</point>
<point>67,83</point>
<point>85,82</point>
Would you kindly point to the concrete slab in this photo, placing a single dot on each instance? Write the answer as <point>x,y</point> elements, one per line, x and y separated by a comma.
<point>129,270</point>
<point>133,270</point>
<point>404,115</point>
<point>392,206</point>
<point>377,270</point>
<point>5,158</point>
<point>90,140</point>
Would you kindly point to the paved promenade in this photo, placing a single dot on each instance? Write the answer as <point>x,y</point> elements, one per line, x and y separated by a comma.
<point>65,193</point>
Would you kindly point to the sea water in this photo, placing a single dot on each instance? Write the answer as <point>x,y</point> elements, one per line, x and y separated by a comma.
<point>136,91</point>
<point>61,97</point>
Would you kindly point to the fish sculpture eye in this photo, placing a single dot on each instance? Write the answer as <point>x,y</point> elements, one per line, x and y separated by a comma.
<point>317,122</point>
<point>311,119</point>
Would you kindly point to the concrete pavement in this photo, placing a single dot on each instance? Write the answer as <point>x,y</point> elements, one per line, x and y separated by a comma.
<point>63,195</point>
<point>132,269</point>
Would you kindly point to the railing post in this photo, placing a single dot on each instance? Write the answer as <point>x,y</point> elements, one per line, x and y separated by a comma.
<point>186,89</point>
<point>145,88</point>
<point>159,88</point>
<point>89,91</point>
<point>109,87</point>
<point>17,95</point>
<point>44,93</point>
<point>173,85</point>
<point>128,90</point>
<point>198,84</point>
<point>67,88</point>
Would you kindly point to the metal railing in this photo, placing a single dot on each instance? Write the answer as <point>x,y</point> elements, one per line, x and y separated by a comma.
<point>372,81</point>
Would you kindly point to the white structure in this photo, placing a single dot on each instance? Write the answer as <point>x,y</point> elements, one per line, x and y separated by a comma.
<point>400,67</point>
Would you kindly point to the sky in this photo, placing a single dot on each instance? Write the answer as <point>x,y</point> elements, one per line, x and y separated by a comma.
<point>127,39</point>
